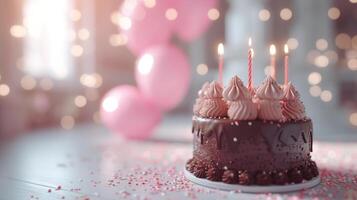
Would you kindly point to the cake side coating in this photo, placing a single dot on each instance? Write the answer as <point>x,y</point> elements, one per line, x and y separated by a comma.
<point>267,152</point>
<point>260,136</point>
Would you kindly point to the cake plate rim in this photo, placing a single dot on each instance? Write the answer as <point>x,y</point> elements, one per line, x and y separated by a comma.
<point>253,188</point>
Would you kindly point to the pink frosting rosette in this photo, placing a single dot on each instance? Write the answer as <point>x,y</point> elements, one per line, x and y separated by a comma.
<point>198,103</point>
<point>270,94</point>
<point>292,107</point>
<point>213,105</point>
<point>241,106</point>
<point>269,90</point>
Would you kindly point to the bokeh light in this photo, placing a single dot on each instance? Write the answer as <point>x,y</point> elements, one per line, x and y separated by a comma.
<point>75,15</point>
<point>118,40</point>
<point>125,23</point>
<point>314,78</point>
<point>321,44</point>
<point>213,14</point>
<point>67,122</point>
<point>80,101</point>
<point>264,15</point>
<point>353,119</point>
<point>292,43</point>
<point>343,41</point>
<point>91,80</point>
<point>352,64</point>
<point>353,1</point>
<point>28,82</point>
<point>83,34</point>
<point>334,13</point>
<point>321,61</point>
<point>286,14</point>
<point>114,17</point>
<point>76,50</point>
<point>150,3</point>
<point>4,90</point>
<point>18,31</point>
<point>315,91</point>
<point>171,14</point>
<point>202,69</point>
<point>326,96</point>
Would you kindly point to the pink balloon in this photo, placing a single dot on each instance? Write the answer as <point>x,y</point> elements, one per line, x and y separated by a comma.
<point>163,75</point>
<point>149,26</point>
<point>125,111</point>
<point>193,18</point>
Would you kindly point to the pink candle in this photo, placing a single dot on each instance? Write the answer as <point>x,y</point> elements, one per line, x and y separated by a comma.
<point>220,51</point>
<point>272,61</point>
<point>250,65</point>
<point>286,64</point>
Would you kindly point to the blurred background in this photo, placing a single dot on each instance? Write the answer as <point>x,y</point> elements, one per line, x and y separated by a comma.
<point>58,59</point>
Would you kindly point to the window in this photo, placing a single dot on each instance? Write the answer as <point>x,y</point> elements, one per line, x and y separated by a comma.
<point>46,47</point>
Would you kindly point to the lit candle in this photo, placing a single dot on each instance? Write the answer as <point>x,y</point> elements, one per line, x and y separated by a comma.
<point>250,64</point>
<point>286,64</point>
<point>272,60</point>
<point>220,51</point>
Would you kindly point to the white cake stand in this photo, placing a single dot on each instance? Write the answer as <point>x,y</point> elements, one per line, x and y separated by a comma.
<point>253,188</point>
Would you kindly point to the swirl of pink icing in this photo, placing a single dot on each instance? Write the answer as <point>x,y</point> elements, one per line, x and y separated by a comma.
<point>241,106</point>
<point>293,109</point>
<point>269,90</point>
<point>197,106</point>
<point>291,104</point>
<point>214,90</point>
<point>213,105</point>
<point>198,103</point>
<point>236,90</point>
<point>203,89</point>
<point>242,110</point>
<point>270,110</point>
<point>213,108</point>
<point>290,93</point>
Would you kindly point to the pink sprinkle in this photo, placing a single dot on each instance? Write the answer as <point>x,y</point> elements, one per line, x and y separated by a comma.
<point>49,190</point>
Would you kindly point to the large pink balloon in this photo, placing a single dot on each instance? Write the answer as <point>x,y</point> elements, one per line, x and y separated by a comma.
<point>193,18</point>
<point>149,26</point>
<point>125,111</point>
<point>163,75</point>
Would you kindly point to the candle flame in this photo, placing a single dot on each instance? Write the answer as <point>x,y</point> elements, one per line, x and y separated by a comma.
<point>220,49</point>
<point>286,49</point>
<point>250,41</point>
<point>272,50</point>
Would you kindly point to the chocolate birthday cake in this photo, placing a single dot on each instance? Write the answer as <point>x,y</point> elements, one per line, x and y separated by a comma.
<point>252,136</point>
